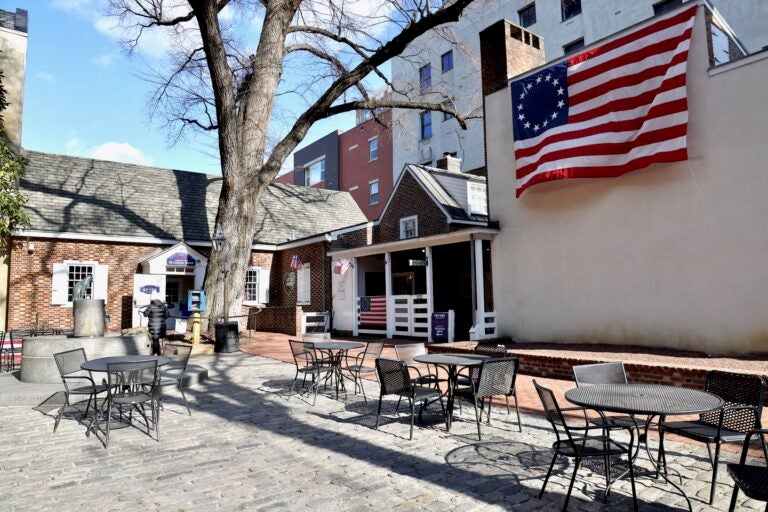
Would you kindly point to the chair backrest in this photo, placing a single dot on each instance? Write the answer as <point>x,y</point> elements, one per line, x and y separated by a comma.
<point>491,350</point>
<point>736,389</point>
<point>69,362</point>
<point>407,351</point>
<point>497,377</point>
<point>16,337</point>
<point>553,413</point>
<point>393,377</point>
<point>600,373</point>
<point>299,349</point>
<point>373,349</point>
<point>124,377</point>
<point>178,354</point>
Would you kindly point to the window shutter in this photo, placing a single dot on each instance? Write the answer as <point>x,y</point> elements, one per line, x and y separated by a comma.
<point>304,294</point>
<point>59,285</point>
<point>100,273</point>
<point>264,286</point>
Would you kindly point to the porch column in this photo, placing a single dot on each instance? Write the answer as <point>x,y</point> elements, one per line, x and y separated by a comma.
<point>479,281</point>
<point>388,291</point>
<point>355,298</point>
<point>430,298</point>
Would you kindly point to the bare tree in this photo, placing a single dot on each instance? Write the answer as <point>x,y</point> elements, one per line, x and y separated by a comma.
<point>322,51</point>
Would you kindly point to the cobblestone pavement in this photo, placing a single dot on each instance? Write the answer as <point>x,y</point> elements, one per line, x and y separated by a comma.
<point>247,447</point>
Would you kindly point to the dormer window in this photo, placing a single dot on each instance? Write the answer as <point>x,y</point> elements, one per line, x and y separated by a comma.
<point>409,227</point>
<point>476,198</point>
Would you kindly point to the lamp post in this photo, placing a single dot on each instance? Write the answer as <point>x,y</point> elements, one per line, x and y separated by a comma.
<point>220,243</point>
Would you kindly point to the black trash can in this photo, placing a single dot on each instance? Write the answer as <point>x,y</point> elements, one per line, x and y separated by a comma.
<point>227,337</point>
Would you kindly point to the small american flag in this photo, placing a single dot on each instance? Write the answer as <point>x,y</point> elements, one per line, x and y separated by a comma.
<point>607,111</point>
<point>341,266</point>
<point>373,310</point>
<point>296,262</point>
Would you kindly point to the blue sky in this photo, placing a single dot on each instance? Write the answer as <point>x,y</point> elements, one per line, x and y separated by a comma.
<point>84,96</point>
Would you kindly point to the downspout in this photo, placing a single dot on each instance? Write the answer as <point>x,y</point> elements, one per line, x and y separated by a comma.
<point>472,263</point>
<point>325,270</point>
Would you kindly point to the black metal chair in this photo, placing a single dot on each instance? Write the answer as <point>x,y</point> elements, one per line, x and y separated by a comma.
<point>604,373</point>
<point>395,379</point>
<point>753,480</point>
<point>743,396</point>
<point>76,381</point>
<point>355,364</point>
<point>406,352</point>
<point>130,388</point>
<point>307,364</point>
<point>496,377</point>
<point>3,351</point>
<point>173,374</point>
<point>579,448</point>
<point>13,346</point>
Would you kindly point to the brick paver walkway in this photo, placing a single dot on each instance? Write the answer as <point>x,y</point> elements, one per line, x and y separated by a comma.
<point>247,447</point>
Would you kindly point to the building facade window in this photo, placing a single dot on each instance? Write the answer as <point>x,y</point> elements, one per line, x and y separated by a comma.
<point>409,227</point>
<point>373,188</point>
<point>251,293</point>
<point>303,285</point>
<point>446,115</point>
<point>446,61</point>
<point>425,78</point>
<point>426,124</point>
<point>476,198</point>
<point>570,8</point>
<point>527,15</point>
<point>69,273</point>
<point>373,149</point>
<point>573,46</point>
<point>666,6</point>
<point>315,172</point>
<point>75,273</point>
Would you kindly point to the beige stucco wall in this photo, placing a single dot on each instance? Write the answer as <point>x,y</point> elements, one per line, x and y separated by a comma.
<point>675,255</point>
<point>13,61</point>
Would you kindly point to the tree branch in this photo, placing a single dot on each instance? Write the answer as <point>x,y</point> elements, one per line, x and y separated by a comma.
<point>392,103</point>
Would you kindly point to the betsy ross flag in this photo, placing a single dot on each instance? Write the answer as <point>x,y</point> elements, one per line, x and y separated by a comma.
<point>373,310</point>
<point>613,109</point>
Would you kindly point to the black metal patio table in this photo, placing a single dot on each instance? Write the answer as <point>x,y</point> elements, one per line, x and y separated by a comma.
<point>645,399</point>
<point>452,362</point>
<point>100,364</point>
<point>336,351</point>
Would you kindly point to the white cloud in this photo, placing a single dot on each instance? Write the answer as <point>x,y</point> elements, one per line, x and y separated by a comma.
<point>105,59</point>
<point>74,146</point>
<point>44,76</point>
<point>119,152</point>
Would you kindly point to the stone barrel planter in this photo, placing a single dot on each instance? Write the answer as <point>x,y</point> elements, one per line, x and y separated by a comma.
<point>38,366</point>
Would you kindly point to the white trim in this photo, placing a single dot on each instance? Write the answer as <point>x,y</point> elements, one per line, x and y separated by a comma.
<point>258,285</point>
<point>335,234</point>
<point>378,192</point>
<point>353,146</point>
<point>352,189</point>
<point>376,138</point>
<point>306,241</point>
<point>409,218</point>
<point>744,61</point>
<point>415,243</point>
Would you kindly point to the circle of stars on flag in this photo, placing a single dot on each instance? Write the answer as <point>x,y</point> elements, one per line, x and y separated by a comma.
<point>544,80</point>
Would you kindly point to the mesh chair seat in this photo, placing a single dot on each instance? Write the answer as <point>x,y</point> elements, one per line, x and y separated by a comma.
<point>703,432</point>
<point>591,446</point>
<point>355,365</point>
<point>173,374</point>
<point>752,480</point>
<point>131,397</point>
<point>308,363</point>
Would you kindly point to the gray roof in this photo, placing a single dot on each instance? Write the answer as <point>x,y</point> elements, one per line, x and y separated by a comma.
<point>80,195</point>
<point>448,188</point>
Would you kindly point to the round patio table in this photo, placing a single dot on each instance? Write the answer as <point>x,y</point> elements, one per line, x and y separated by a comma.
<point>100,364</point>
<point>646,399</point>
<point>452,362</point>
<point>336,351</point>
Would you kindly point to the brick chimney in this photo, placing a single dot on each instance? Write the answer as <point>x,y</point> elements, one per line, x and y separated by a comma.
<point>507,50</point>
<point>449,163</point>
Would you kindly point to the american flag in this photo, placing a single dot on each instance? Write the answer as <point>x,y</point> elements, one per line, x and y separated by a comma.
<point>373,310</point>
<point>341,266</point>
<point>296,262</point>
<point>613,109</point>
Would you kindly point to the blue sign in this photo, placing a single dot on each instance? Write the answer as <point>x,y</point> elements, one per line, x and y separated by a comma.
<point>439,326</point>
<point>180,259</point>
<point>149,289</point>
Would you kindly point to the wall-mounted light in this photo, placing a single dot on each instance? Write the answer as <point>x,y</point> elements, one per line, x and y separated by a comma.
<point>30,247</point>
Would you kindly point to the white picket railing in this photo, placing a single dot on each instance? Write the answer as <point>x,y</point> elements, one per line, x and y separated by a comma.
<point>485,328</point>
<point>411,314</point>
<point>314,321</point>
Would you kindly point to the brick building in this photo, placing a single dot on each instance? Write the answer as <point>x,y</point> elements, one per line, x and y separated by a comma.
<point>358,161</point>
<point>428,252</point>
<point>145,232</point>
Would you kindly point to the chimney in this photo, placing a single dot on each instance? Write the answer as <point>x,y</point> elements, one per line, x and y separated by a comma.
<point>449,163</point>
<point>20,21</point>
<point>507,50</point>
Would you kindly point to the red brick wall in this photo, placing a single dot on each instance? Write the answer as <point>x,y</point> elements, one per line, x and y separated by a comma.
<point>286,178</point>
<point>411,199</point>
<point>286,320</point>
<point>281,265</point>
<point>507,50</point>
<point>30,279</point>
<point>357,171</point>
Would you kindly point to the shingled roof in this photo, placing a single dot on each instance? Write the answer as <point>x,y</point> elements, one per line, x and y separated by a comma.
<point>96,197</point>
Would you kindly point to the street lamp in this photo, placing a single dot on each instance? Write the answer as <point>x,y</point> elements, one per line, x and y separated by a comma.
<point>220,243</point>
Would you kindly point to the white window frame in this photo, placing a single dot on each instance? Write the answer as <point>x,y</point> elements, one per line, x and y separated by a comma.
<point>373,148</point>
<point>304,285</point>
<point>476,198</point>
<point>262,286</point>
<point>60,281</point>
<point>403,228</point>
<point>370,192</point>
<point>307,171</point>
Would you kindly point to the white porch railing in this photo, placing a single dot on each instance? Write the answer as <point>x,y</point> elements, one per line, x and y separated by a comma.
<point>485,328</point>
<point>314,320</point>
<point>411,314</point>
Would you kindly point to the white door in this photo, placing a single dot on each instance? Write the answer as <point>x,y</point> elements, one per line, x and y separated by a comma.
<point>146,287</point>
